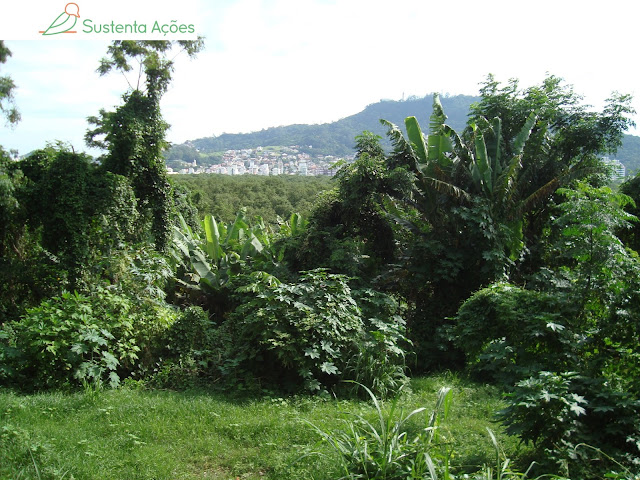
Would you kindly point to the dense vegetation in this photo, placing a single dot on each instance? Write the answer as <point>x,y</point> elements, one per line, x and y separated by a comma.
<point>266,197</point>
<point>496,249</point>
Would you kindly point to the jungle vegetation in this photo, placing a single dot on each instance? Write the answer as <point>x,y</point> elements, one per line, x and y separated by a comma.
<point>498,251</point>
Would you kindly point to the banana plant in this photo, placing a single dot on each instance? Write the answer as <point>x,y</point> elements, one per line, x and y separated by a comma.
<point>296,225</point>
<point>478,172</point>
<point>493,175</point>
<point>434,159</point>
<point>212,258</point>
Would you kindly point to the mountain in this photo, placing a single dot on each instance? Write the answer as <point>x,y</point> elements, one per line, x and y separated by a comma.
<point>338,138</point>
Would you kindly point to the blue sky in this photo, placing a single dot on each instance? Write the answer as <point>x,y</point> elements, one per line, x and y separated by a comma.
<point>279,62</point>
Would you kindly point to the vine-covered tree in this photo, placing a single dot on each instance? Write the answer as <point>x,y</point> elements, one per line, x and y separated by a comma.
<point>134,135</point>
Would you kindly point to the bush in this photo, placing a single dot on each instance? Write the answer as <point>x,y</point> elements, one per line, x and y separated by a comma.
<point>313,333</point>
<point>564,413</point>
<point>73,339</point>
<point>188,349</point>
<point>507,333</point>
<point>570,380</point>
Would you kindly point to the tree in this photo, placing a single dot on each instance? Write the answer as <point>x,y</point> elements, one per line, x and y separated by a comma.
<point>565,145</point>
<point>7,87</point>
<point>134,135</point>
<point>479,201</point>
<point>631,236</point>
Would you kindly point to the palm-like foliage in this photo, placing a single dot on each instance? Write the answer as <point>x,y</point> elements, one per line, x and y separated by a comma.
<point>445,165</point>
<point>430,158</point>
<point>475,174</point>
<point>211,259</point>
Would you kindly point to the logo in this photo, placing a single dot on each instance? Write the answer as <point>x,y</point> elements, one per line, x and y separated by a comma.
<point>98,21</point>
<point>65,21</point>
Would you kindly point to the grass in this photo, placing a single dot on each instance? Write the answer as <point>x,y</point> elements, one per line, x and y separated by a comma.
<point>137,434</point>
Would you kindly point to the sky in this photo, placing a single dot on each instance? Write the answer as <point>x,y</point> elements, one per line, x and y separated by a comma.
<point>268,63</point>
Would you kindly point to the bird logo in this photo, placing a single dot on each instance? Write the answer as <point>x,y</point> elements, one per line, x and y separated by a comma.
<point>65,21</point>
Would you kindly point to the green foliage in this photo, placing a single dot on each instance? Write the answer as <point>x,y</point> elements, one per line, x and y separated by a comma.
<point>564,412</point>
<point>134,135</point>
<point>312,333</point>
<point>384,449</point>
<point>7,103</point>
<point>188,347</point>
<point>212,259</point>
<point>112,330</point>
<point>507,333</point>
<point>395,445</point>
<point>73,339</point>
<point>383,347</point>
<point>568,353</point>
<point>631,236</point>
<point>349,225</point>
<point>63,215</point>
<point>307,329</point>
<point>266,197</point>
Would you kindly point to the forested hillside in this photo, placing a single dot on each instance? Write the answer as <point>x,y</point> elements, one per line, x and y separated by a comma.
<point>336,138</point>
<point>629,153</point>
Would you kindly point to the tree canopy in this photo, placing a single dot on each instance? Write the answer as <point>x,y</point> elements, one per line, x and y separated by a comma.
<point>134,134</point>
<point>8,108</point>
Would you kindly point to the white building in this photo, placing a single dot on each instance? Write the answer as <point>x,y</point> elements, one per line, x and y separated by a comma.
<point>618,169</point>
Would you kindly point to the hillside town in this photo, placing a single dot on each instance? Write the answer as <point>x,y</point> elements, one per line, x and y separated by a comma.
<point>267,161</point>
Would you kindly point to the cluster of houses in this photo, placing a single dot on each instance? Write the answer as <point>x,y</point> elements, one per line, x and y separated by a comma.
<point>268,161</point>
<point>290,161</point>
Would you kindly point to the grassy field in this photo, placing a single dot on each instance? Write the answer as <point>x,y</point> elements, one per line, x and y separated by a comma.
<point>133,433</point>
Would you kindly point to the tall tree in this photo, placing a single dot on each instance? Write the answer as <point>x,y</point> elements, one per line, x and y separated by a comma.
<point>134,135</point>
<point>7,105</point>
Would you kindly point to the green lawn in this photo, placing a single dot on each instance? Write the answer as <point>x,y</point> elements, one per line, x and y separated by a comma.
<point>138,434</point>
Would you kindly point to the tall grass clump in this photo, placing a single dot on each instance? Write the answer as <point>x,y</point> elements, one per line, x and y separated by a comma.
<point>395,445</point>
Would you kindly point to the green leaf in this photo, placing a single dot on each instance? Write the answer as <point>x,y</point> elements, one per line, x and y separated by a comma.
<point>110,360</point>
<point>212,235</point>
<point>312,353</point>
<point>414,133</point>
<point>329,367</point>
<point>79,348</point>
<point>114,380</point>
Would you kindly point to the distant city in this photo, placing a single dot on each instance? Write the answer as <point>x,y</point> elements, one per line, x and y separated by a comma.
<point>290,161</point>
<point>268,161</point>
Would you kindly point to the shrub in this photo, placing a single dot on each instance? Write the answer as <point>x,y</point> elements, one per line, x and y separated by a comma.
<point>570,377</point>
<point>187,351</point>
<point>507,333</point>
<point>74,338</point>
<point>313,333</point>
